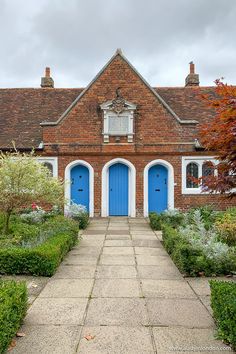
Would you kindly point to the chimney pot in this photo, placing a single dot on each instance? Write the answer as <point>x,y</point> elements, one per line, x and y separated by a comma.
<point>192,67</point>
<point>192,79</point>
<point>47,72</point>
<point>47,80</point>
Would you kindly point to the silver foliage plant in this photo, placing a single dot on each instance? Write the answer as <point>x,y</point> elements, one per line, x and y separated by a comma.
<point>205,240</point>
<point>76,210</point>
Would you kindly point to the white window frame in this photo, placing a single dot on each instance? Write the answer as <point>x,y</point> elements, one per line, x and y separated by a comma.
<point>199,160</point>
<point>53,161</point>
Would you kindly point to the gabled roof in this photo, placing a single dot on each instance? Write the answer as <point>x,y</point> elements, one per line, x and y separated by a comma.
<point>22,111</point>
<point>160,99</point>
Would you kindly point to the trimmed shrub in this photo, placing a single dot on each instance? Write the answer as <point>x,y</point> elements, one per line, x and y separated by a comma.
<point>44,258</point>
<point>155,221</point>
<point>223,303</point>
<point>13,306</point>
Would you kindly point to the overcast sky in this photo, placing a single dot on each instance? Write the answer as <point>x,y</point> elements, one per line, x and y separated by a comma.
<point>77,37</point>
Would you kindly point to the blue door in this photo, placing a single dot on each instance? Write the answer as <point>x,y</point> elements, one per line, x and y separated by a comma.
<point>118,189</point>
<point>157,188</point>
<point>80,185</point>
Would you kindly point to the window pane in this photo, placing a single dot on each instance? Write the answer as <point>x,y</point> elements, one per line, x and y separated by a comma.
<point>118,125</point>
<point>207,169</point>
<point>49,166</point>
<point>191,175</point>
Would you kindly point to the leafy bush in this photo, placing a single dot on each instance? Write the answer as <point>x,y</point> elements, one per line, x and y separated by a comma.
<point>155,221</point>
<point>226,227</point>
<point>79,212</point>
<point>43,259</point>
<point>223,303</point>
<point>196,250</point>
<point>207,214</point>
<point>171,217</point>
<point>13,305</point>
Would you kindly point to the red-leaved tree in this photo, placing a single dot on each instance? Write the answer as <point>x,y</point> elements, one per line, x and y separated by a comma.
<point>220,136</point>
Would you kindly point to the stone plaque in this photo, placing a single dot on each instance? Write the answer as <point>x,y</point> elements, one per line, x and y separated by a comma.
<point>118,125</point>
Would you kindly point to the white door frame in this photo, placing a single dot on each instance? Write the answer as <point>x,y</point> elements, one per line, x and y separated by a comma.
<point>131,184</point>
<point>170,184</point>
<point>68,184</point>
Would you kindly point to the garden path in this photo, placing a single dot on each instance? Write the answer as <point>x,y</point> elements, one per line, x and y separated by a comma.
<point>118,292</point>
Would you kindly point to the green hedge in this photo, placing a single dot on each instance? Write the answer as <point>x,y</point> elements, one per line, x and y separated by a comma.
<point>223,303</point>
<point>40,260</point>
<point>13,306</point>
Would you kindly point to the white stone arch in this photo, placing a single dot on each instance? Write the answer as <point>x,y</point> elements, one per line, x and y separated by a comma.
<point>68,184</point>
<point>131,183</point>
<point>170,185</point>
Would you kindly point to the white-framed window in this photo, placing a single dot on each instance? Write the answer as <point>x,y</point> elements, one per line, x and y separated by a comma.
<point>51,163</point>
<point>194,168</point>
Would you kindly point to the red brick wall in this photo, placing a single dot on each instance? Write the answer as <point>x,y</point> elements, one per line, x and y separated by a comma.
<point>158,135</point>
<point>181,201</point>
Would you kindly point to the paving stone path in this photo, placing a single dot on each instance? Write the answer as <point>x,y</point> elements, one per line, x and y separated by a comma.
<point>118,292</point>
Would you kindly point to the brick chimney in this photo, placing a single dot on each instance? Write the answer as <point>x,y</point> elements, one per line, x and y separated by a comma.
<point>192,79</point>
<point>47,81</point>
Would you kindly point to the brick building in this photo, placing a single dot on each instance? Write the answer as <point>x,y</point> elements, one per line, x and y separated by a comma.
<point>123,147</point>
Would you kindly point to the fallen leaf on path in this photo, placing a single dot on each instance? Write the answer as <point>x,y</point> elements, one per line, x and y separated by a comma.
<point>12,345</point>
<point>89,337</point>
<point>20,334</point>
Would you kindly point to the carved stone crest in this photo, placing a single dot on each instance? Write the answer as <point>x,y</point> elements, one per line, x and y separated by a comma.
<point>118,104</point>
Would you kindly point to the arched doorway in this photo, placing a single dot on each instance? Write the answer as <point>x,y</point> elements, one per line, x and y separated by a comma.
<point>79,185</point>
<point>157,189</point>
<point>119,175</point>
<point>118,190</point>
<point>158,186</point>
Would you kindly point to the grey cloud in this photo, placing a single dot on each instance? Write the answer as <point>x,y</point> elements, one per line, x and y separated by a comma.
<point>77,37</point>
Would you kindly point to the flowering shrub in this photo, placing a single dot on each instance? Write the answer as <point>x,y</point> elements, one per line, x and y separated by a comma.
<point>79,212</point>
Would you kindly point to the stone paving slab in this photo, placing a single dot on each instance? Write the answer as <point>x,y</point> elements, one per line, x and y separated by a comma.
<point>75,271</point>
<point>178,312</point>
<point>82,259</point>
<point>86,250</point>
<point>116,340</point>
<point>159,272</point>
<point>116,288</point>
<point>143,237</point>
<point>143,259</point>
<point>186,340</point>
<point>147,243</point>
<point>118,237</point>
<point>116,271</point>
<point>118,250</point>
<point>118,243</point>
<point>60,288</point>
<point>48,339</point>
<point>93,232</point>
<point>67,311</point>
<point>148,251</point>
<point>117,259</point>
<point>91,243</point>
<point>117,312</point>
<point>167,289</point>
